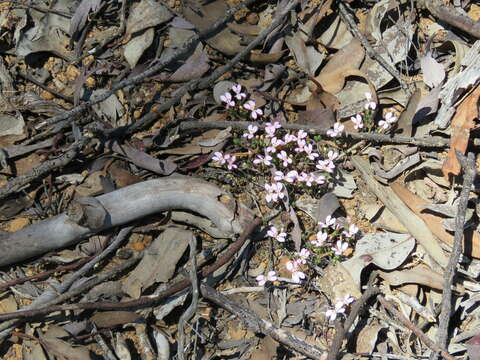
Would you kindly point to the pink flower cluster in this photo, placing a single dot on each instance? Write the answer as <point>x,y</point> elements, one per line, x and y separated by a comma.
<point>331,226</point>
<point>240,96</point>
<point>225,159</point>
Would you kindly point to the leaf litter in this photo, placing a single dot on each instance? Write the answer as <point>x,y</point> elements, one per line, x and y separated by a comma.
<point>295,171</point>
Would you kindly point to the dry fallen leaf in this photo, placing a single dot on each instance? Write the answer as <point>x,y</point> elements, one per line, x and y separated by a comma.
<point>462,123</point>
<point>416,203</point>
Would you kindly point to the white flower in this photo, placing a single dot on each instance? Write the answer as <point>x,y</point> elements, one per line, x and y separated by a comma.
<point>337,129</point>
<point>218,157</point>
<point>237,89</point>
<point>357,120</point>
<point>227,99</point>
<point>339,309</point>
<point>298,276</point>
<point>303,256</point>
<point>340,248</point>
<point>301,144</point>
<point>266,160</point>
<point>274,192</point>
<point>270,128</point>
<point>388,121</point>
<point>352,230</point>
<point>285,158</point>
<point>332,155</point>
<point>254,113</point>
<point>320,238</point>
<point>271,276</point>
<point>274,141</point>
<point>291,176</point>
<point>348,299</point>
<point>370,104</point>
<point>301,134</point>
<point>289,138</point>
<point>279,236</point>
<point>308,149</point>
<point>292,266</point>
<point>252,129</point>
<point>329,221</point>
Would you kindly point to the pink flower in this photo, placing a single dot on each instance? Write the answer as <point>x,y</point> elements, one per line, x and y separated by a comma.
<point>301,134</point>
<point>227,98</point>
<point>370,104</point>
<point>318,179</point>
<point>285,158</point>
<point>329,222</point>
<point>274,192</point>
<point>289,138</point>
<point>308,150</point>
<point>337,129</point>
<point>352,230</point>
<point>339,309</point>
<point>302,177</point>
<point>357,120</point>
<point>252,129</point>
<point>340,248</point>
<point>230,159</point>
<point>321,237</point>
<point>303,255</point>
<point>279,236</point>
<point>298,276</point>
<point>266,160</point>
<point>237,89</point>
<point>271,276</point>
<point>301,145</point>
<point>388,121</point>
<point>254,113</point>
<point>279,176</point>
<point>218,157</point>
<point>291,176</point>
<point>270,128</point>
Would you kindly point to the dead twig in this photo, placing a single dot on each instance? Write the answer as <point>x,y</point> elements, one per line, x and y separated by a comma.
<point>256,324</point>
<point>190,312</point>
<point>199,84</point>
<point>356,307</point>
<point>152,70</point>
<point>44,168</point>
<point>411,326</point>
<point>138,303</point>
<point>352,26</point>
<point>445,315</point>
<point>452,17</point>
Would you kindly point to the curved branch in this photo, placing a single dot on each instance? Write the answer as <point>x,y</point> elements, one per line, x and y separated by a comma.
<point>123,206</point>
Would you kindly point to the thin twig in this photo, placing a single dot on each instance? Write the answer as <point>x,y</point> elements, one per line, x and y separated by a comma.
<point>190,312</point>
<point>444,319</point>
<point>259,325</point>
<point>317,130</point>
<point>199,84</point>
<point>44,274</point>
<point>453,17</point>
<point>356,307</point>
<point>46,88</point>
<point>138,303</point>
<point>44,168</point>
<point>411,326</point>
<point>350,22</point>
<point>152,70</point>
